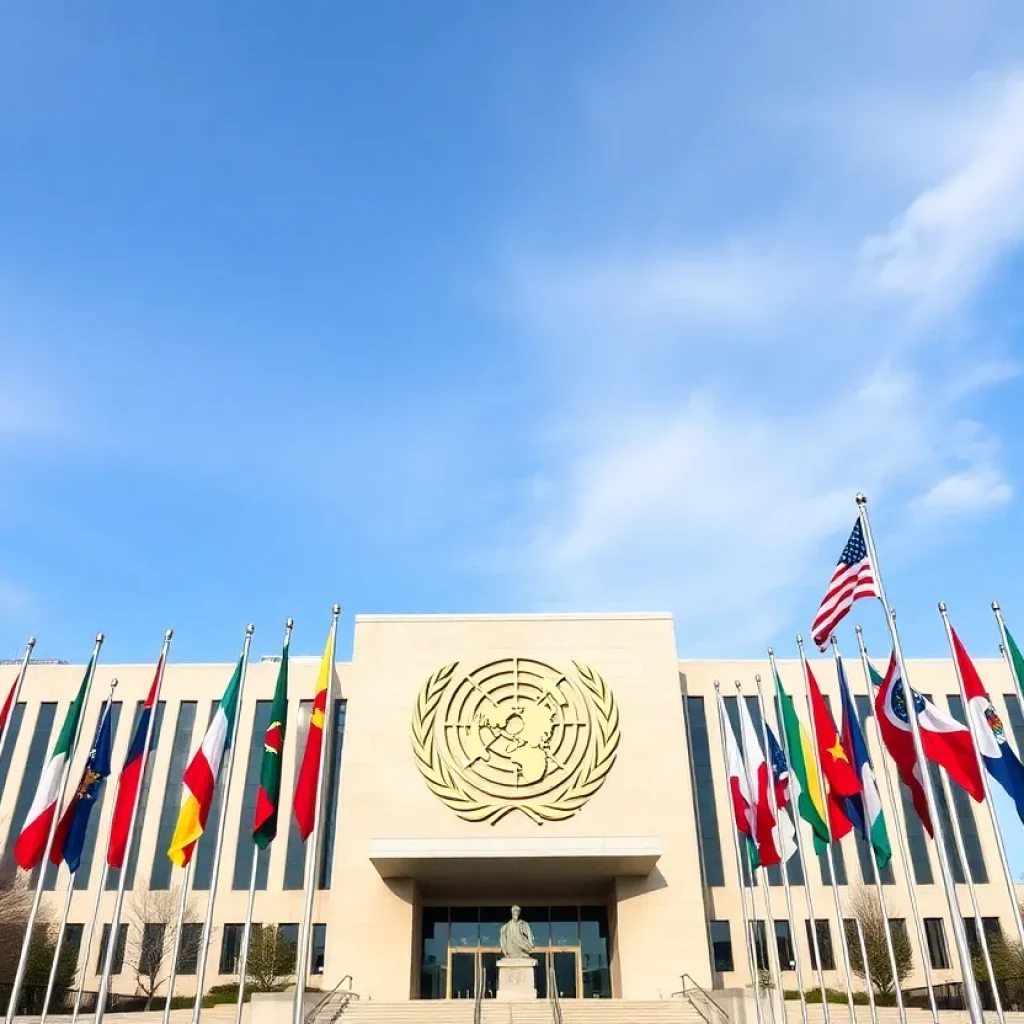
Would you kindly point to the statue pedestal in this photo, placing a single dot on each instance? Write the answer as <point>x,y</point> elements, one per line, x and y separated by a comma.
<point>515,979</point>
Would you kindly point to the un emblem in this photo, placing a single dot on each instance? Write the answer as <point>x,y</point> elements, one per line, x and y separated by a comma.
<point>516,734</point>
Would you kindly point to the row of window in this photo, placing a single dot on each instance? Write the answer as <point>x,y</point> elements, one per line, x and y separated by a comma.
<point>170,801</point>
<point>153,945</point>
<point>934,928</point>
<point>707,814</point>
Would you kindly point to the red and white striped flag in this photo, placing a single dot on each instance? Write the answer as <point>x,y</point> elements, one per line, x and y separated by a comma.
<point>853,579</point>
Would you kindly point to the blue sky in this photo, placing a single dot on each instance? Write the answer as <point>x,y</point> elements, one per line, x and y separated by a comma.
<point>476,307</point>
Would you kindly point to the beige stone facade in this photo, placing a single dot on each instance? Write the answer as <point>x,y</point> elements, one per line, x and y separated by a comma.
<point>633,851</point>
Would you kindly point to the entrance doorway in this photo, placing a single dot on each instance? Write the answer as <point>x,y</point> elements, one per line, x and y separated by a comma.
<point>461,949</point>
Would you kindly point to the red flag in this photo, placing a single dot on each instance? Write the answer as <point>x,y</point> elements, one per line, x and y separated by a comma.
<point>304,806</point>
<point>8,703</point>
<point>836,766</point>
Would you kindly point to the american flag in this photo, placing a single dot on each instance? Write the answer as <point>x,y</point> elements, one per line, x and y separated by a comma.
<point>853,579</point>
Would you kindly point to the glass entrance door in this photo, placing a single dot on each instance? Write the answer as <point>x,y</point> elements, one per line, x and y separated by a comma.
<point>566,965</point>
<point>462,975</point>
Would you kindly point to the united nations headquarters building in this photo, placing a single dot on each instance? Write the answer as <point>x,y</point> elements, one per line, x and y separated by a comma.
<point>570,766</point>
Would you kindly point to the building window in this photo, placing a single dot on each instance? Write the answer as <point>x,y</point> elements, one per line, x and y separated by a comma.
<point>993,932</point>
<point>784,944</point>
<point>288,935</point>
<point>160,874</point>
<point>334,750</point>
<point>30,777</point>
<point>230,948</point>
<point>188,953</point>
<point>837,859</point>
<point>1013,716</point>
<point>824,933</point>
<point>318,949</point>
<point>122,938</point>
<point>721,946</point>
<point>938,951</point>
<point>73,942</point>
<point>245,847</point>
<point>965,812</point>
<point>13,729</point>
<point>761,945</point>
<point>206,846</point>
<point>295,852</point>
<point>865,711</point>
<point>704,793</point>
<point>151,955</point>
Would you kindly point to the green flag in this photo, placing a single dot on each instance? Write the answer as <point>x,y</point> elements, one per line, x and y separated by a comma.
<point>1016,659</point>
<point>803,769</point>
<point>264,826</point>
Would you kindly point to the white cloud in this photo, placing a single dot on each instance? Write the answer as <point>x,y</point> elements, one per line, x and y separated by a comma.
<point>939,249</point>
<point>978,489</point>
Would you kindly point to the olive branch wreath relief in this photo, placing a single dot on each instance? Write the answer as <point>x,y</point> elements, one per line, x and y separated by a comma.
<point>559,804</point>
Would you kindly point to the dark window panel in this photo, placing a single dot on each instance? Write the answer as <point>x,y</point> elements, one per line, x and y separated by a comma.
<point>721,946</point>
<point>122,938</point>
<point>245,846</point>
<point>230,948</point>
<point>295,853</point>
<point>13,730</point>
<point>318,949</point>
<point>330,808</point>
<point>188,954</point>
<point>965,812</point>
<point>206,847</point>
<point>160,874</point>
<point>704,792</point>
<point>824,932</point>
<point>938,951</point>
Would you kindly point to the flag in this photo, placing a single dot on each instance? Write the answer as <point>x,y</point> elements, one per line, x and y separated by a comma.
<point>69,839</point>
<point>1016,659</point>
<point>5,712</point>
<point>891,712</point>
<point>873,830</point>
<point>843,812</point>
<point>200,778</point>
<point>805,786</point>
<point>759,779</point>
<point>853,579</point>
<point>741,798</point>
<point>304,805</point>
<point>31,844</point>
<point>1000,761</point>
<point>268,797</point>
<point>784,836</point>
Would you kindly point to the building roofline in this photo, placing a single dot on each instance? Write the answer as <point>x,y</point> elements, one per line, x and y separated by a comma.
<point>515,617</point>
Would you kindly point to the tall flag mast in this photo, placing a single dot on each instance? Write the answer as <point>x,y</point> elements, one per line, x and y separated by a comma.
<point>13,694</point>
<point>308,804</point>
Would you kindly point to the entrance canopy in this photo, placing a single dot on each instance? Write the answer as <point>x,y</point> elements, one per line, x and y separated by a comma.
<point>541,866</point>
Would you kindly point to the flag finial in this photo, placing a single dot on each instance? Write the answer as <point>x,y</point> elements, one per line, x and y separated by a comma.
<point>250,629</point>
<point>168,634</point>
<point>995,608</point>
<point>336,609</point>
<point>717,685</point>
<point>942,606</point>
<point>289,623</point>
<point>100,637</point>
<point>113,682</point>
<point>31,642</point>
<point>861,500</point>
<point>757,678</point>
<point>771,652</point>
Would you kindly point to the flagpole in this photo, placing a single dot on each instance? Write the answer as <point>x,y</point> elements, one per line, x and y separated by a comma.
<point>71,887</point>
<point>312,854</point>
<point>122,878</point>
<point>176,951</point>
<point>784,865</point>
<point>751,959</point>
<point>243,959</point>
<point>1000,842</point>
<point>922,939</point>
<point>803,870</point>
<point>19,977</point>
<point>959,934</point>
<point>204,949</point>
<point>56,950</point>
<point>972,893</point>
<point>83,955</point>
<point>887,927</point>
<point>843,944</point>
<point>867,969</point>
<point>18,684</point>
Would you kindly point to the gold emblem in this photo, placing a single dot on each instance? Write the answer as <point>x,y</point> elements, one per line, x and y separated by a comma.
<point>515,735</point>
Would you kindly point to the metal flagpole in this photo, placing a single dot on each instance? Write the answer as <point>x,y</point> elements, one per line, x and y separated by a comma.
<point>815,947</point>
<point>922,939</point>
<point>313,851</point>
<point>886,925</point>
<point>1000,843</point>
<point>843,944</point>
<point>972,893</point>
<point>751,960</point>
<point>83,955</point>
<point>176,951</point>
<point>783,866</point>
<point>19,977</point>
<point>18,684</point>
<point>204,949</point>
<point>243,959</point>
<point>970,989</point>
<point>867,969</point>
<point>71,887</point>
<point>56,950</point>
<point>115,923</point>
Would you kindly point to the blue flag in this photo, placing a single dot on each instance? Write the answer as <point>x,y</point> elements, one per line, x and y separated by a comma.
<point>69,839</point>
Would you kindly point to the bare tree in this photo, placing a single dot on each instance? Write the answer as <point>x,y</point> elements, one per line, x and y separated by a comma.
<point>867,909</point>
<point>271,959</point>
<point>152,919</point>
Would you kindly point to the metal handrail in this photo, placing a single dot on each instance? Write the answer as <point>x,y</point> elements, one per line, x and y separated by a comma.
<point>556,1006</point>
<point>687,993</point>
<point>311,1016</point>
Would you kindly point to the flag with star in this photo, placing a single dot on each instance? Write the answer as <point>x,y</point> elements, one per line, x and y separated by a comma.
<point>268,797</point>
<point>69,839</point>
<point>840,775</point>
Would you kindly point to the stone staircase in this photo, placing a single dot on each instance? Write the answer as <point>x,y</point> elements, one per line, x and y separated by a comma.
<point>574,1011</point>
